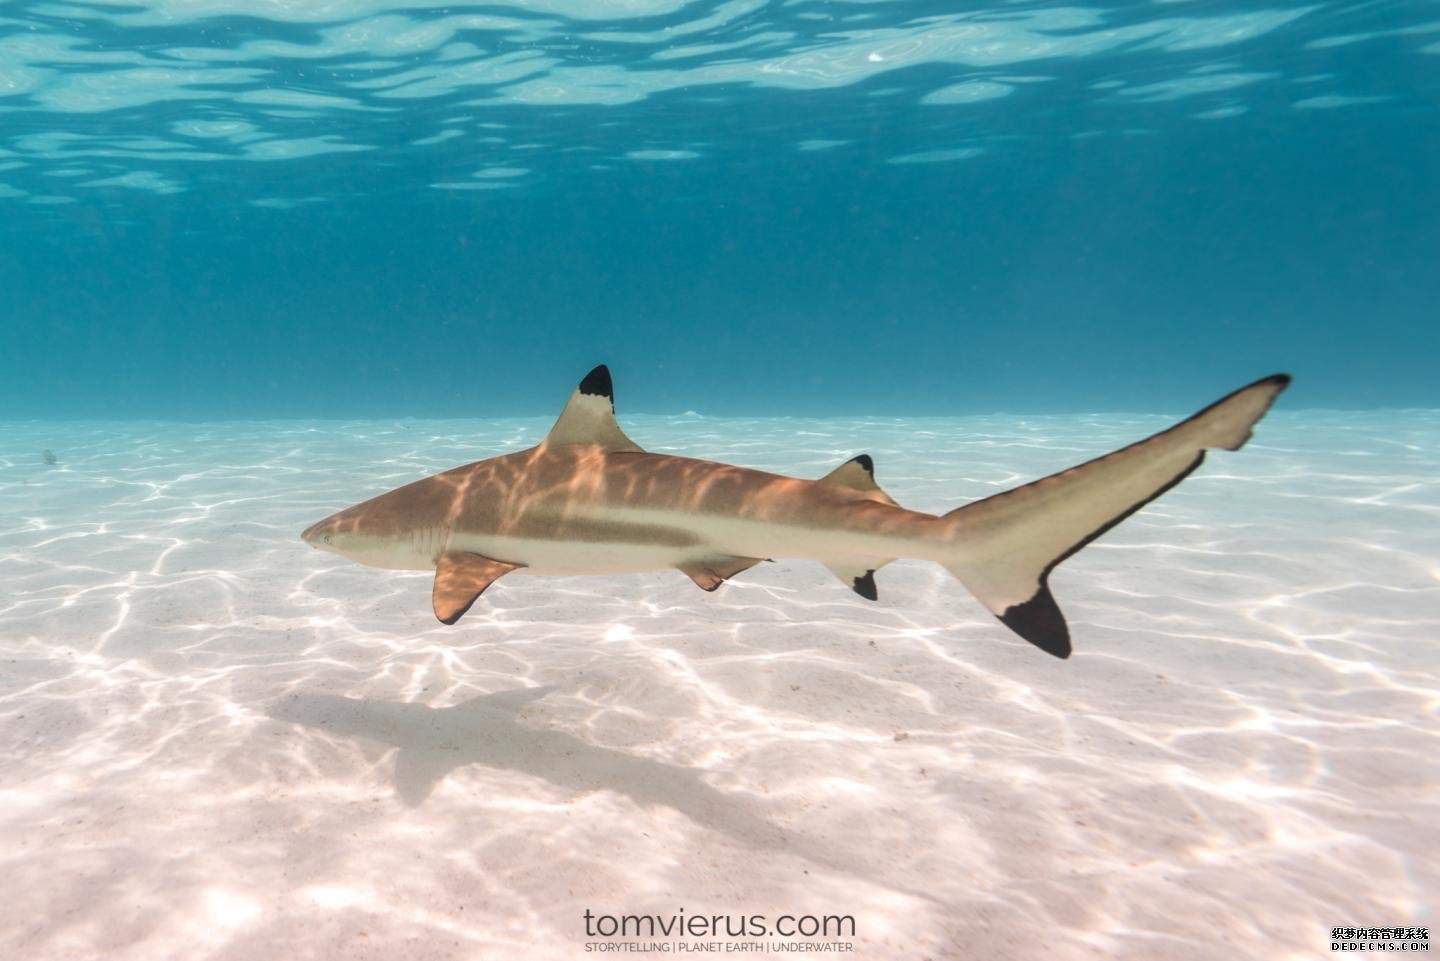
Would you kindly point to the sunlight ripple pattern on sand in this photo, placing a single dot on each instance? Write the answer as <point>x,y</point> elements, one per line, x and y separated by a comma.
<point>219,743</point>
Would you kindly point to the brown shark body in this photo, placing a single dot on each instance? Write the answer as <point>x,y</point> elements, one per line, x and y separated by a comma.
<point>588,500</point>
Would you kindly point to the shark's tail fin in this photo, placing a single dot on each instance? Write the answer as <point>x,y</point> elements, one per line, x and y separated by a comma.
<point>1010,542</point>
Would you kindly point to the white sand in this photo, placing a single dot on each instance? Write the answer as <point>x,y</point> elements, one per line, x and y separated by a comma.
<point>1242,753</point>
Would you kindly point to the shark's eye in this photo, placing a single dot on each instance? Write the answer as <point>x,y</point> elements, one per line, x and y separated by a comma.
<point>327,538</point>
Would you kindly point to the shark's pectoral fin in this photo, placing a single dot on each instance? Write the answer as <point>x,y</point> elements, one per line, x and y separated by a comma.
<point>589,417</point>
<point>858,473</point>
<point>714,571</point>
<point>860,578</point>
<point>461,577</point>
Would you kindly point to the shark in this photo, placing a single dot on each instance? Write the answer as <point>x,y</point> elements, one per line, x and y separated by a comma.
<point>589,500</point>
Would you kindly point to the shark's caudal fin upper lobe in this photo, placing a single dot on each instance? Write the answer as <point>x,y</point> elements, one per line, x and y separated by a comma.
<point>1008,544</point>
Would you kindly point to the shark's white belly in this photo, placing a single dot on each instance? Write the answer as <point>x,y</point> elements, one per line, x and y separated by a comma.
<point>691,538</point>
<point>571,557</point>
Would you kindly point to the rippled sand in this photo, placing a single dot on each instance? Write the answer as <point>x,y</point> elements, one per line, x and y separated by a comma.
<point>218,743</point>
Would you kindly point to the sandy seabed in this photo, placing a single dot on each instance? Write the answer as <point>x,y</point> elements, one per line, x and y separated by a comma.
<point>218,743</point>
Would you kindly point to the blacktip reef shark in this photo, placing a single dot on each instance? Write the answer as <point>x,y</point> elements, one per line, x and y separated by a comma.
<point>589,500</point>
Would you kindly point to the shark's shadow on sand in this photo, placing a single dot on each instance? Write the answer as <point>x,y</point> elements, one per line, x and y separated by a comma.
<point>486,730</point>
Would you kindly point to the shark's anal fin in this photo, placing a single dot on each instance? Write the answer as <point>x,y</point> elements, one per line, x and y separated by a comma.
<point>860,578</point>
<point>460,578</point>
<point>858,473</point>
<point>589,417</point>
<point>714,571</point>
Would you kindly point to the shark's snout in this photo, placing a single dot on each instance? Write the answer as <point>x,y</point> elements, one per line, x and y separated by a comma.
<point>349,534</point>
<point>320,534</point>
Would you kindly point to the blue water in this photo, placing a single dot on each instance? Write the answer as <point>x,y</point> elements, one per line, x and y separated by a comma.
<point>229,209</point>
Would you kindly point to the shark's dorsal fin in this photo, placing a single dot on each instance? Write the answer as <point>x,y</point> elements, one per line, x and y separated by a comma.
<point>858,473</point>
<point>589,417</point>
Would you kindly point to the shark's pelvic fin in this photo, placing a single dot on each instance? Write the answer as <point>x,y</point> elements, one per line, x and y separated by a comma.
<point>1008,544</point>
<point>589,417</point>
<point>858,473</point>
<point>714,571</point>
<point>860,578</point>
<point>460,578</point>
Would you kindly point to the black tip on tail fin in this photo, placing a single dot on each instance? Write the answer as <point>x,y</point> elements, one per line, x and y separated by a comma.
<point>1040,622</point>
<point>1265,390</point>
<point>1007,544</point>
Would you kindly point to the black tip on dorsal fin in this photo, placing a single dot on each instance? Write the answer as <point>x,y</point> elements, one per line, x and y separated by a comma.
<point>589,416</point>
<point>598,383</point>
<point>858,473</point>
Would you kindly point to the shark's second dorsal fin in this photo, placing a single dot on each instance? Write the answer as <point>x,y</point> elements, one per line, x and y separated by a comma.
<point>589,417</point>
<point>858,473</point>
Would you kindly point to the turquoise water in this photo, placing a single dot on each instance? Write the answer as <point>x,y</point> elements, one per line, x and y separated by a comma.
<point>263,260</point>
<point>218,208</point>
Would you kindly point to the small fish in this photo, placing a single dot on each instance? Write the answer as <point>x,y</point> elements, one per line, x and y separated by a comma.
<point>589,500</point>
<point>49,457</point>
